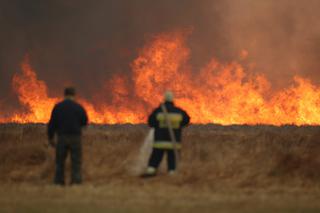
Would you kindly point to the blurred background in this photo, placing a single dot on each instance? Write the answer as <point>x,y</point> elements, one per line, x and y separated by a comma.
<point>85,42</point>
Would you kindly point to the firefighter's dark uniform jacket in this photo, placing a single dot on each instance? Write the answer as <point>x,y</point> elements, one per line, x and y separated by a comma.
<point>67,118</point>
<point>178,118</point>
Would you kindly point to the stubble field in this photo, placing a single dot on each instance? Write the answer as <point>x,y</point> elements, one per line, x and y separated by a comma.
<point>222,169</point>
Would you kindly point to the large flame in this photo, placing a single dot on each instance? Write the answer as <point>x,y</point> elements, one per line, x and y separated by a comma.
<point>218,93</point>
<point>33,95</point>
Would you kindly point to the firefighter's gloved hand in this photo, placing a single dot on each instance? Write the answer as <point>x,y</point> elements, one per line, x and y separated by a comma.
<point>52,143</point>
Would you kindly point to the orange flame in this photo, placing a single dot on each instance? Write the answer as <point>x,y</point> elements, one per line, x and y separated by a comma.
<point>218,93</point>
<point>33,95</point>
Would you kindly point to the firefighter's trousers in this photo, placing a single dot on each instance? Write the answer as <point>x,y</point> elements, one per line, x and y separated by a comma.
<point>157,155</point>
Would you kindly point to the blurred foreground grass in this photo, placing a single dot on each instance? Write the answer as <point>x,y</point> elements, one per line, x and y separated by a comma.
<point>222,169</point>
<point>154,198</point>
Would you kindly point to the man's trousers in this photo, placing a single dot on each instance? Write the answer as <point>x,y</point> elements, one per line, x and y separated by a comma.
<point>66,144</point>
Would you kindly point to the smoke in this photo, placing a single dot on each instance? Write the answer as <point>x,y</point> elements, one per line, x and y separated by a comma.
<point>85,42</point>
<point>282,37</point>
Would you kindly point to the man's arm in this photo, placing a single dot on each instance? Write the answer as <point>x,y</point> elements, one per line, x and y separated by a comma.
<point>84,117</point>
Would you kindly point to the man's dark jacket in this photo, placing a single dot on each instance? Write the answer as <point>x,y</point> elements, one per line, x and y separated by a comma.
<point>178,117</point>
<point>67,118</point>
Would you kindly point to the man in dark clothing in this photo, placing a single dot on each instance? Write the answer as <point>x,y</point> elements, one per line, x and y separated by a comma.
<point>168,121</point>
<point>67,119</point>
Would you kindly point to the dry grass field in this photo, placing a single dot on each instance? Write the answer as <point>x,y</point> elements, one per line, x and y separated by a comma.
<point>222,169</point>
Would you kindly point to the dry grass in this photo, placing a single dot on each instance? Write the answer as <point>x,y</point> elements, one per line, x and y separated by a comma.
<point>236,168</point>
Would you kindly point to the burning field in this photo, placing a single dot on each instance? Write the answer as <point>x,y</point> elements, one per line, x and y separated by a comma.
<point>221,93</point>
<point>247,73</point>
<point>227,169</point>
<point>257,164</point>
<point>225,69</point>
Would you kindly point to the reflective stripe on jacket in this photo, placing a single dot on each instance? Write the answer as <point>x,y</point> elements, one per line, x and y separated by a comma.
<point>166,145</point>
<point>178,118</point>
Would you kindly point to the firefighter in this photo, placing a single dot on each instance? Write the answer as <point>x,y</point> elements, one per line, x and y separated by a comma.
<point>168,121</point>
<point>67,119</point>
